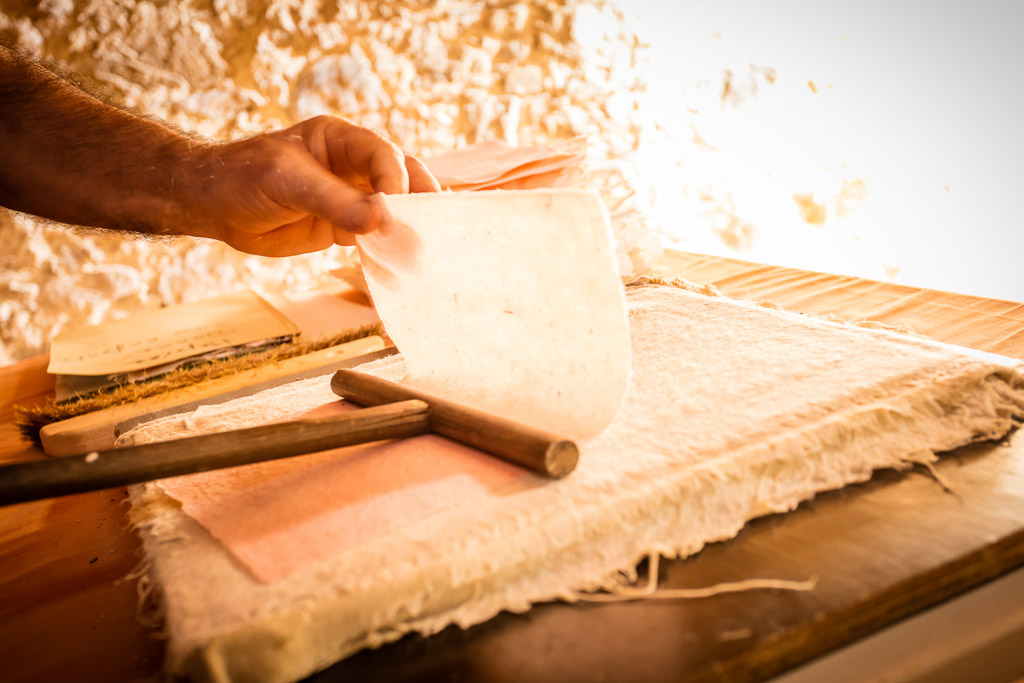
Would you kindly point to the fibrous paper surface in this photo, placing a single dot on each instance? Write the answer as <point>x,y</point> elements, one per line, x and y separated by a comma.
<point>508,301</point>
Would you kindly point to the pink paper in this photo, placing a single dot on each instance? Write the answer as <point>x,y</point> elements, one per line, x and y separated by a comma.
<point>280,516</point>
<point>562,177</point>
<point>488,164</point>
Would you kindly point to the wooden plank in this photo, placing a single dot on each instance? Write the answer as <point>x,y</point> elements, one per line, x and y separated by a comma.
<point>67,612</point>
<point>986,324</point>
<point>26,384</point>
<point>66,609</point>
<point>24,380</point>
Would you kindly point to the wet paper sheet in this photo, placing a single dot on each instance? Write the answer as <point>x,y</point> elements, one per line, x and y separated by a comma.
<point>508,301</point>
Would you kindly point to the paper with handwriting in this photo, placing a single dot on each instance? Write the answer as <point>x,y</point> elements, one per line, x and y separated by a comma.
<point>150,338</point>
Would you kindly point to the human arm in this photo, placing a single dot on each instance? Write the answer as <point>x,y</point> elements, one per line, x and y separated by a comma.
<point>72,158</point>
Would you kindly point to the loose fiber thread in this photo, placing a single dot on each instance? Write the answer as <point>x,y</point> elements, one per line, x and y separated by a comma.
<point>650,591</point>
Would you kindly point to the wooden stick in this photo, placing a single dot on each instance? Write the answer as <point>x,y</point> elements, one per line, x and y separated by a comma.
<point>133,464</point>
<point>540,451</point>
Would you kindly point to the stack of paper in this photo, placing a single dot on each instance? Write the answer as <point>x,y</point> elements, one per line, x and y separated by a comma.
<point>496,166</point>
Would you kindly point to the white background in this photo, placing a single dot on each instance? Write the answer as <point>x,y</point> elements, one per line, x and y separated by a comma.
<point>921,101</point>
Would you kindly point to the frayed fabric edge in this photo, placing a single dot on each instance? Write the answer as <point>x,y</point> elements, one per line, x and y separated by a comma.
<point>477,601</point>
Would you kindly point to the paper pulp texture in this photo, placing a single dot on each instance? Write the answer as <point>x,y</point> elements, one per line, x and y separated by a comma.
<point>508,301</point>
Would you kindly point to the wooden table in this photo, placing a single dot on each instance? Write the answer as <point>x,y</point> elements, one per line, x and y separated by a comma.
<point>880,550</point>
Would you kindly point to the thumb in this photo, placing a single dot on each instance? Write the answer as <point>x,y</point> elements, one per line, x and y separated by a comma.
<point>315,190</point>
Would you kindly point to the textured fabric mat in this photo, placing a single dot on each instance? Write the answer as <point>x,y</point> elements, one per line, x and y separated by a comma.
<point>734,411</point>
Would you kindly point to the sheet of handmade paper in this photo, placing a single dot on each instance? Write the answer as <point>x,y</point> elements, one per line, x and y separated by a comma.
<point>160,336</point>
<point>508,301</point>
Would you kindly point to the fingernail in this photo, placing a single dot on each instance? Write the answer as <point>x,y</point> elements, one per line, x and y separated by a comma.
<point>360,215</point>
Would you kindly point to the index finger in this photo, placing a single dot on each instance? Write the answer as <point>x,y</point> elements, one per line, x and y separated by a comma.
<point>366,153</point>
<point>420,177</point>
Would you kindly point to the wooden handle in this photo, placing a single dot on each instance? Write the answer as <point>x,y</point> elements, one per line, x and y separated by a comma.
<point>133,464</point>
<point>540,451</point>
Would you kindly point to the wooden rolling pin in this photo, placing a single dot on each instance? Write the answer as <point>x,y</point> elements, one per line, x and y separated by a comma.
<point>540,451</point>
<point>398,418</point>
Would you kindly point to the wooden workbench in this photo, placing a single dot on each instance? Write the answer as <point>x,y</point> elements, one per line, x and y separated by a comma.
<point>880,550</point>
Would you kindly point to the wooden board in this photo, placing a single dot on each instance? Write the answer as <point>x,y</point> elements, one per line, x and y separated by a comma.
<point>880,550</point>
<point>975,322</point>
<point>66,610</point>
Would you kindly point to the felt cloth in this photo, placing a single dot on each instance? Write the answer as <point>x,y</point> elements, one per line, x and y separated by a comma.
<point>734,411</point>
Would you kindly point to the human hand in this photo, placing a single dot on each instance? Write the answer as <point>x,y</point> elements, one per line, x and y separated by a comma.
<point>297,190</point>
<point>72,158</point>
